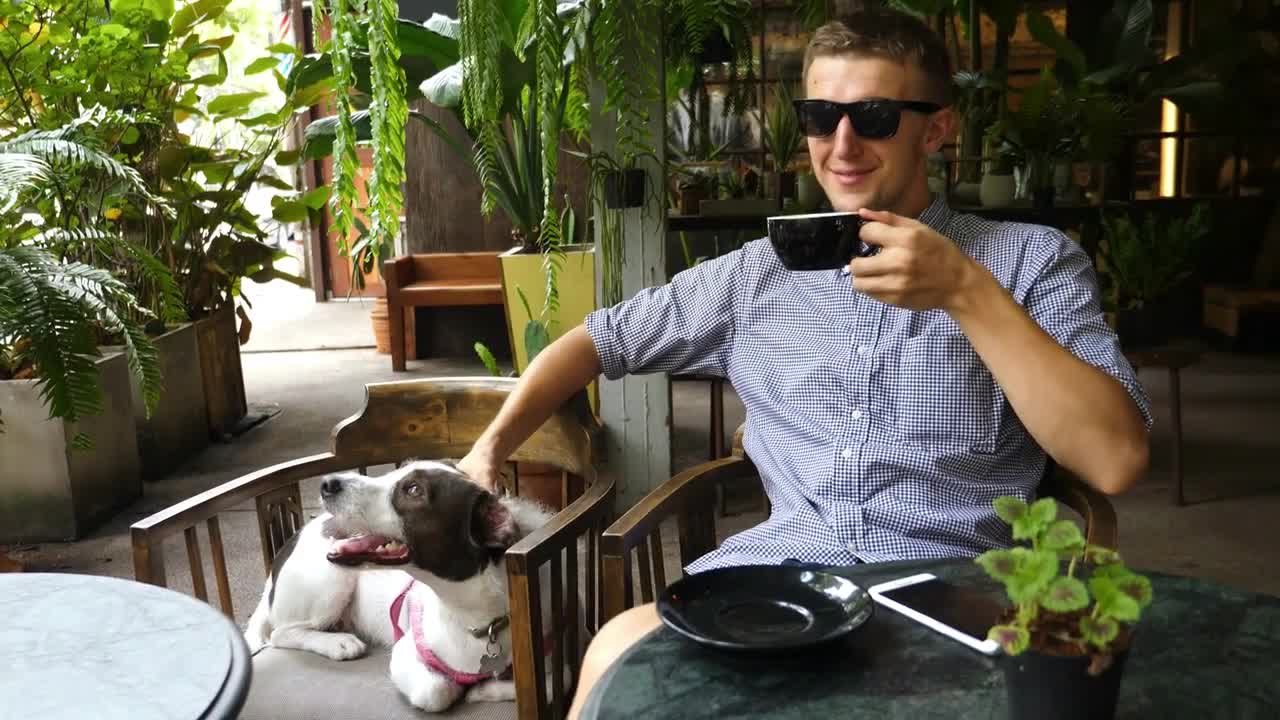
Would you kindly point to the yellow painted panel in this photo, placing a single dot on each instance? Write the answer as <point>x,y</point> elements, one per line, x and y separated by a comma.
<point>577,283</point>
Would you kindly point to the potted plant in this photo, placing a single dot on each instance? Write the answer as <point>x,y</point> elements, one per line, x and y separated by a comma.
<point>1072,615</point>
<point>695,185</point>
<point>783,139</point>
<point>1141,264</point>
<point>997,186</point>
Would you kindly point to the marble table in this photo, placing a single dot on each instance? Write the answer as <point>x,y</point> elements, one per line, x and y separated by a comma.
<point>84,646</point>
<point>1202,651</point>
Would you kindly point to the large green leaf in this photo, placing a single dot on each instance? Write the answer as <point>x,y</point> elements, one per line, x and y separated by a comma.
<point>1126,32</point>
<point>436,40</point>
<point>192,14</point>
<point>160,9</point>
<point>233,104</point>
<point>1042,29</point>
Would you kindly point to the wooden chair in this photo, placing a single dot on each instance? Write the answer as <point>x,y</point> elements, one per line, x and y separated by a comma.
<point>435,418</point>
<point>690,496</point>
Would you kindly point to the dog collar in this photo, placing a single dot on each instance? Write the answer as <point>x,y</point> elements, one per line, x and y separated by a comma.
<point>492,629</point>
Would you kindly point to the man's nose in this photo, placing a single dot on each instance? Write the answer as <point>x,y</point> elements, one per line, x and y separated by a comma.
<point>845,140</point>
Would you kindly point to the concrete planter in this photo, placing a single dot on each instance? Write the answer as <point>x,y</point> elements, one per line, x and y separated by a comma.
<point>179,426</point>
<point>220,370</point>
<point>50,491</point>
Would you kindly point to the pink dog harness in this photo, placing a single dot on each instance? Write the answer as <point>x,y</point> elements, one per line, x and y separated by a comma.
<point>430,659</point>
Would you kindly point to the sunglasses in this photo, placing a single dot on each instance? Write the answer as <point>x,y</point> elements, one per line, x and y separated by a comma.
<point>871,119</point>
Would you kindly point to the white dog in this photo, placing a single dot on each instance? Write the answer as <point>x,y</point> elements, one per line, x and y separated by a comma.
<point>444,616</point>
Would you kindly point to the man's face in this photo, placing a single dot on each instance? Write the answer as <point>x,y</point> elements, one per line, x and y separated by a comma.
<point>858,172</point>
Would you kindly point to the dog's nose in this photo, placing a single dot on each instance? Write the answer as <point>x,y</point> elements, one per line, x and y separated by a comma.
<point>330,486</point>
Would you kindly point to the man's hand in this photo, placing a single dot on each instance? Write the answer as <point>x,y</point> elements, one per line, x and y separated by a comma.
<point>917,268</point>
<point>482,471</point>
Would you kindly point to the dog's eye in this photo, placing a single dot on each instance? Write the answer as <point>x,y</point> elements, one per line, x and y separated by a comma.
<point>413,489</point>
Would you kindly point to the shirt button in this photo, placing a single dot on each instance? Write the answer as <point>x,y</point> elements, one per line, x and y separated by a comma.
<point>862,349</point>
<point>853,547</point>
<point>857,414</point>
<point>846,453</point>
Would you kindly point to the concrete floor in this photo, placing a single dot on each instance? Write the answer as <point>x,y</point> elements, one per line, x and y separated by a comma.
<point>1231,412</point>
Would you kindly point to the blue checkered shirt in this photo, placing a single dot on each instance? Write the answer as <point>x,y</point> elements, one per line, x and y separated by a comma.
<point>878,432</point>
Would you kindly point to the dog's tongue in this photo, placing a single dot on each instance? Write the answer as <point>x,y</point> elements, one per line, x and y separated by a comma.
<point>357,545</point>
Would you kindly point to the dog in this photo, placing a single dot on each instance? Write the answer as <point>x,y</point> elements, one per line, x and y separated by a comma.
<point>412,560</point>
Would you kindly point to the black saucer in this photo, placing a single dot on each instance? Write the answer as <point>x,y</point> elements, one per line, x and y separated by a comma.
<point>764,607</point>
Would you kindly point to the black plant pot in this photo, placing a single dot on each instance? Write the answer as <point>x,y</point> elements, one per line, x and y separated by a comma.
<point>624,189</point>
<point>1140,328</point>
<point>715,49</point>
<point>1042,198</point>
<point>1052,687</point>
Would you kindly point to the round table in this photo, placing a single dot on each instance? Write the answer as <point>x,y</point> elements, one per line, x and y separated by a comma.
<point>1201,651</point>
<point>84,646</point>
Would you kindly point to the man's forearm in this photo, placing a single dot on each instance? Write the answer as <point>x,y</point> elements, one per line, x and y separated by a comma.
<point>562,369</point>
<point>1082,417</point>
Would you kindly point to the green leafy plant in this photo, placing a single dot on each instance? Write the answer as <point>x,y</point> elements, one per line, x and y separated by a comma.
<point>49,311</point>
<point>1080,612</point>
<point>782,129</point>
<point>1142,262</point>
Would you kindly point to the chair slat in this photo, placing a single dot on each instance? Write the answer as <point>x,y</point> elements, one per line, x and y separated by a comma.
<point>572,611</point>
<point>264,531</point>
<point>277,528</point>
<point>593,585</point>
<point>197,567</point>
<point>646,579</point>
<point>659,569</point>
<point>557,634</point>
<point>219,566</point>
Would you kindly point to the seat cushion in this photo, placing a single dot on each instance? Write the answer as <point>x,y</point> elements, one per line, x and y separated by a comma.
<point>299,685</point>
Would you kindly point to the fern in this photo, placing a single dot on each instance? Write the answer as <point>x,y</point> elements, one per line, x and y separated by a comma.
<point>151,272</point>
<point>346,163</point>
<point>480,47</point>
<point>61,148</point>
<point>389,113</point>
<point>47,314</point>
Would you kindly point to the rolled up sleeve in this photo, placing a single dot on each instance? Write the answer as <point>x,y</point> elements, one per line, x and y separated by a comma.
<point>685,326</point>
<point>1063,299</point>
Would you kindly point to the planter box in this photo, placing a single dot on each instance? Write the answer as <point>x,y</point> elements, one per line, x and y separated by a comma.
<point>223,378</point>
<point>51,492</point>
<point>739,206</point>
<point>179,426</point>
<point>577,283</point>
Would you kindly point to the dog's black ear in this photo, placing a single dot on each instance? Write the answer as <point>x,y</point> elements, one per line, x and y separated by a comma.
<point>492,524</point>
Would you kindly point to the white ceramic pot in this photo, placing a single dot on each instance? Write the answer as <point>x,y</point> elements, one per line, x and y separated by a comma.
<point>996,190</point>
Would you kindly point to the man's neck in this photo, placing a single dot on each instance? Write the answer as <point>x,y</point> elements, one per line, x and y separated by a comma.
<point>917,201</point>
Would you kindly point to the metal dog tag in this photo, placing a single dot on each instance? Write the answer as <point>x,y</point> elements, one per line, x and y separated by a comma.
<point>492,665</point>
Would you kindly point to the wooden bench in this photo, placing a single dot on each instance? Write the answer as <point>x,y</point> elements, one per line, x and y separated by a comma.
<point>1224,306</point>
<point>436,280</point>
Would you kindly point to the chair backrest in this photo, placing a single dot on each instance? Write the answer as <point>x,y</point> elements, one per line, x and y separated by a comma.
<point>554,569</point>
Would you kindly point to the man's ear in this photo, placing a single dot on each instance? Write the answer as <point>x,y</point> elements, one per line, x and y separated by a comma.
<point>939,127</point>
<point>492,524</point>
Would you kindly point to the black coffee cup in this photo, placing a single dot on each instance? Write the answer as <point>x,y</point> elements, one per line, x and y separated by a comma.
<point>821,241</point>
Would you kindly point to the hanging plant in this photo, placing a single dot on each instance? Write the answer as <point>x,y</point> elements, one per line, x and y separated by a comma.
<point>388,112</point>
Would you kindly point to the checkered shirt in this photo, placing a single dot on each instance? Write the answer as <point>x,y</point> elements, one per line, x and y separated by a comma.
<point>878,432</point>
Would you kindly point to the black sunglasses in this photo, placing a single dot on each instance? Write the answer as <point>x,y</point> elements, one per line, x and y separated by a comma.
<point>871,119</point>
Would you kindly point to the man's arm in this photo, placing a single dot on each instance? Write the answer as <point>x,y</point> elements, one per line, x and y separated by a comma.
<point>563,368</point>
<point>1082,416</point>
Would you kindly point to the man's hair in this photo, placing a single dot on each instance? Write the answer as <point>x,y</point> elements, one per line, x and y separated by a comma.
<point>888,34</point>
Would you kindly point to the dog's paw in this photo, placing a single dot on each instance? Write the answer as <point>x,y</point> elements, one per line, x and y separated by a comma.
<point>340,646</point>
<point>435,694</point>
<point>492,691</point>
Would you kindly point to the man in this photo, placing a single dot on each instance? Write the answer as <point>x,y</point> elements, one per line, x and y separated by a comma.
<point>890,402</point>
